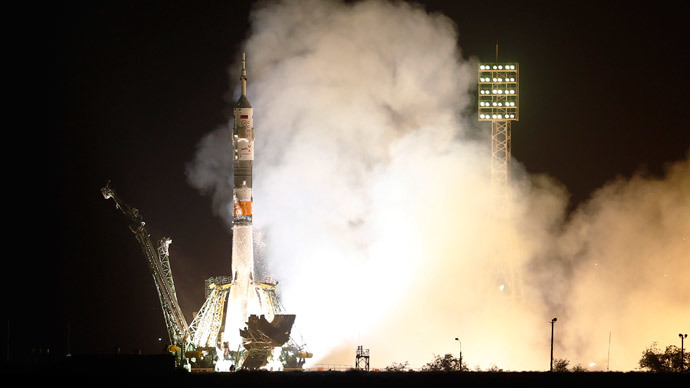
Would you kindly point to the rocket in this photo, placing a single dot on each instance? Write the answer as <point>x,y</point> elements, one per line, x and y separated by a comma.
<point>253,320</point>
<point>243,299</point>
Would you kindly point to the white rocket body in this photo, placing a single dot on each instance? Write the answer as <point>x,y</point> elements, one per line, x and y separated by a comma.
<point>243,299</point>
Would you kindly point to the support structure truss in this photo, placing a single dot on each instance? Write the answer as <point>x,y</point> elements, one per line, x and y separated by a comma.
<point>159,264</point>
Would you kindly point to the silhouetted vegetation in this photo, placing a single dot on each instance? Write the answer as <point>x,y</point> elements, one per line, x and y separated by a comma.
<point>560,365</point>
<point>397,367</point>
<point>654,360</point>
<point>447,363</point>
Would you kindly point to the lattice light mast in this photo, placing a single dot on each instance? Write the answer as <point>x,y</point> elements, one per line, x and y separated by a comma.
<point>499,103</point>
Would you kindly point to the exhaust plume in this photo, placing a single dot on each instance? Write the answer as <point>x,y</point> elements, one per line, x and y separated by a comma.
<point>373,198</point>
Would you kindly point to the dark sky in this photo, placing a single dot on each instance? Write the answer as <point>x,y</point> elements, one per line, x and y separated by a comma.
<point>603,94</point>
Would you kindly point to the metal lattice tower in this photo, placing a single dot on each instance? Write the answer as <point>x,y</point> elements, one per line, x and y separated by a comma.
<point>499,103</point>
<point>500,153</point>
<point>158,261</point>
<point>362,358</point>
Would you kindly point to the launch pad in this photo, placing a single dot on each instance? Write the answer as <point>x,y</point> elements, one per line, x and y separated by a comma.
<point>241,324</point>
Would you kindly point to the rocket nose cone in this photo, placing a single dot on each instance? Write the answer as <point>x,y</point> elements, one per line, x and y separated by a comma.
<point>243,102</point>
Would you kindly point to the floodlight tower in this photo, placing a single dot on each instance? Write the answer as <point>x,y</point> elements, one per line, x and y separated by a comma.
<point>499,103</point>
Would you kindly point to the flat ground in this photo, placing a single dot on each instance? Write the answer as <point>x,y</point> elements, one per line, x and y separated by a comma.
<point>160,369</point>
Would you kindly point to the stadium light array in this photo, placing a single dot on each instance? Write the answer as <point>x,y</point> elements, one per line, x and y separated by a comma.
<point>498,91</point>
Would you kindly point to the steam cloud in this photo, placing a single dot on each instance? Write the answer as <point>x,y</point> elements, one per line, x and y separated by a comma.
<point>372,196</point>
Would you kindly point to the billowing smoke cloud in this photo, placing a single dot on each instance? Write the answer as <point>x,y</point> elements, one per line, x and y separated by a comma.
<point>377,214</point>
<point>629,249</point>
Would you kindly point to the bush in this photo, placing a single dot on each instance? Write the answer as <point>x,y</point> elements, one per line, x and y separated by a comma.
<point>653,360</point>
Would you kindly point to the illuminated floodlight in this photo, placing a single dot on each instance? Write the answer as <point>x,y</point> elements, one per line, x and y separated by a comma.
<point>497,82</point>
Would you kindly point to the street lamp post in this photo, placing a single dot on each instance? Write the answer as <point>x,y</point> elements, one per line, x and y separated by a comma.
<point>457,339</point>
<point>552,322</point>
<point>682,355</point>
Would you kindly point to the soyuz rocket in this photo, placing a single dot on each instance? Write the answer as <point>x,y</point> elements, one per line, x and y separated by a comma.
<point>243,300</point>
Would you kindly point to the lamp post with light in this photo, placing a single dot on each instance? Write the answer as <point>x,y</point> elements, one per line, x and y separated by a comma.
<point>458,339</point>
<point>552,322</point>
<point>682,355</point>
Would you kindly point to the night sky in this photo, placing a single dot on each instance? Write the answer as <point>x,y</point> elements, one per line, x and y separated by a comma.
<point>604,91</point>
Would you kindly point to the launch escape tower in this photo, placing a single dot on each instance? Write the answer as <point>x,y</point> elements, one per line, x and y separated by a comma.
<point>499,104</point>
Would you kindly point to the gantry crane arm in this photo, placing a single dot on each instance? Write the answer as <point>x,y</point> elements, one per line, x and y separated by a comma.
<point>159,265</point>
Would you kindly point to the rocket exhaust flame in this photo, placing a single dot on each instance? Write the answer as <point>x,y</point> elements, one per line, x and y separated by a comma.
<point>363,111</point>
